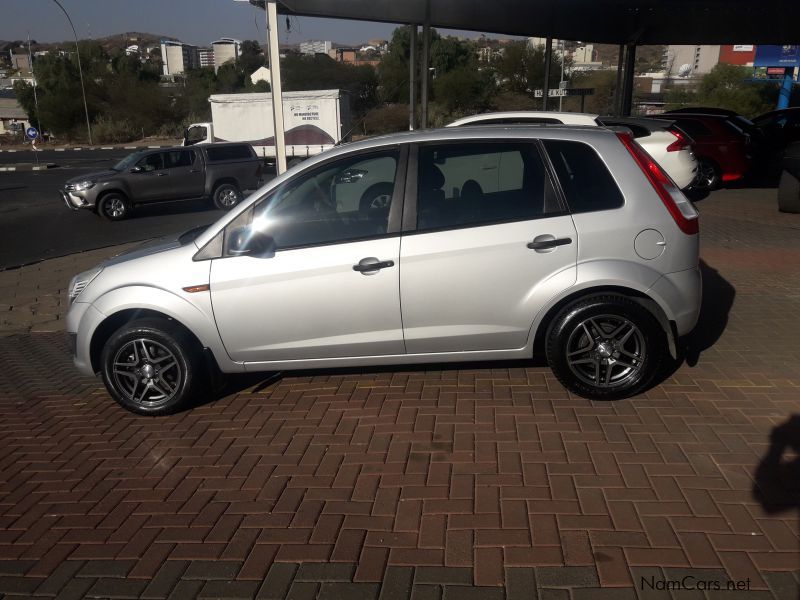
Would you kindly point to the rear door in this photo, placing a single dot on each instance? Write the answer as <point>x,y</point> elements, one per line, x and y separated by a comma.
<point>491,244</point>
<point>186,174</point>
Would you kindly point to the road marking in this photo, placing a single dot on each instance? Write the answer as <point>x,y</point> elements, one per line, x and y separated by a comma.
<point>129,148</point>
<point>11,151</point>
<point>77,148</point>
<point>107,148</point>
<point>60,149</point>
<point>8,168</point>
<point>154,146</point>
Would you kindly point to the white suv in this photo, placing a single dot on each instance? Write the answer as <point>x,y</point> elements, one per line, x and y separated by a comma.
<point>663,140</point>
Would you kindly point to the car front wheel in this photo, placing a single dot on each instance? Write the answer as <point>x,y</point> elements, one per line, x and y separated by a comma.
<point>152,367</point>
<point>115,207</point>
<point>605,347</point>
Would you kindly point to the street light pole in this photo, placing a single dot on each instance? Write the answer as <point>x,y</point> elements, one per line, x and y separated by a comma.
<point>80,71</point>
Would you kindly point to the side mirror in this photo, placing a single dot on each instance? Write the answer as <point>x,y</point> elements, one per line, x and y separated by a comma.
<point>349,176</point>
<point>248,242</point>
<point>137,170</point>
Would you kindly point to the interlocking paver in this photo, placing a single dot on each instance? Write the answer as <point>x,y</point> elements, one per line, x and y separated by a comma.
<point>423,482</point>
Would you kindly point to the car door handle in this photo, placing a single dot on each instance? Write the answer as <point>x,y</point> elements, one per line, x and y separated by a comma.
<point>161,175</point>
<point>194,171</point>
<point>371,265</point>
<point>538,244</point>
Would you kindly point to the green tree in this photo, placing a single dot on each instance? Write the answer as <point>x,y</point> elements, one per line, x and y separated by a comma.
<point>726,86</point>
<point>251,57</point>
<point>520,68</point>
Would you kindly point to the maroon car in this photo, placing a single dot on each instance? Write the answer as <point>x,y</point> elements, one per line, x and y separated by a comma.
<point>724,150</point>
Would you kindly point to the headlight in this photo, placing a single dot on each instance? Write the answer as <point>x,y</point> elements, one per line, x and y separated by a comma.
<point>83,185</point>
<point>80,281</point>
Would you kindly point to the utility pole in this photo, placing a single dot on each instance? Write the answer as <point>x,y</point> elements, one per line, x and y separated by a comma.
<point>271,11</point>
<point>35,95</point>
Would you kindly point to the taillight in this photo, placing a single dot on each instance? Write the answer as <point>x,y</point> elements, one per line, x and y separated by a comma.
<point>678,205</point>
<point>681,143</point>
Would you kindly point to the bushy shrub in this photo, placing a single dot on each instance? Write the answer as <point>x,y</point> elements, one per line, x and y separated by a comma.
<point>108,131</point>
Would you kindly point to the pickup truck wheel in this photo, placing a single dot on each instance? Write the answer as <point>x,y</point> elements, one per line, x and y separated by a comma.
<point>114,207</point>
<point>226,196</point>
<point>151,367</point>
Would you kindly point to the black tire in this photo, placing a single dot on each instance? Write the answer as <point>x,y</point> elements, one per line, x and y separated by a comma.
<point>226,196</point>
<point>115,206</point>
<point>708,176</point>
<point>146,349</point>
<point>605,366</point>
<point>376,196</point>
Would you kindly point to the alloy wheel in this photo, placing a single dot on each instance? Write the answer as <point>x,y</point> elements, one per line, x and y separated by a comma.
<point>146,372</point>
<point>606,351</point>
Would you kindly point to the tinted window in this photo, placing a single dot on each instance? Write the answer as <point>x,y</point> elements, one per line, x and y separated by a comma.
<point>460,186</point>
<point>179,158</point>
<point>152,162</point>
<point>694,128</point>
<point>345,200</point>
<point>584,177</point>
<point>222,153</point>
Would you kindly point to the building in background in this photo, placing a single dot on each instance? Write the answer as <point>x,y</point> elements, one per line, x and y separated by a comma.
<point>742,55</point>
<point>586,58</point>
<point>13,118</point>
<point>226,50</point>
<point>206,56</point>
<point>316,47</point>
<point>690,61</point>
<point>177,57</point>
<point>20,61</point>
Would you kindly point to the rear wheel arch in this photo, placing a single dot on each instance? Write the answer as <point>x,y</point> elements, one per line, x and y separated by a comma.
<point>552,314</point>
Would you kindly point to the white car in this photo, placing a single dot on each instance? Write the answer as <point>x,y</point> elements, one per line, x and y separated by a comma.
<point>662,140</point>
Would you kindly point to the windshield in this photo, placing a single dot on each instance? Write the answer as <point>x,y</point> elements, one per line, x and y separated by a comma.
<point>128,162</point>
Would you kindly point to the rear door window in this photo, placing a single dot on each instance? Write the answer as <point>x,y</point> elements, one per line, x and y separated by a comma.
<point>179,158</point>
<point>585,179</point>
<point>480,184</point>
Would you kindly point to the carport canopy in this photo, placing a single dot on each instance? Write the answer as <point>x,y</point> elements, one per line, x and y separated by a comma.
<point>604,21</point>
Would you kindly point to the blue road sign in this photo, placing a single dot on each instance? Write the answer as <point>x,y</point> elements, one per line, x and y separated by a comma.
<point>777,56</point>
<point>32,132</point>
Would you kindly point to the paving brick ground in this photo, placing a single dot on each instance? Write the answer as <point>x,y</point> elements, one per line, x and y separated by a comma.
<point>484,481</point>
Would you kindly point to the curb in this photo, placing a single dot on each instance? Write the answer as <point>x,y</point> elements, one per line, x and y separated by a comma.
<point>31,168</point>
<point>74,148</point>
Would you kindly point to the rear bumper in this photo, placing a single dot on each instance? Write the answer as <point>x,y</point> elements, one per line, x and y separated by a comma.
<point>680,294</point>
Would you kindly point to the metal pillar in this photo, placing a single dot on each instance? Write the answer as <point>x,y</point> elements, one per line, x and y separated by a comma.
<point>630,67</point>
<point>275,87</point>
<point>618,88</point>
<point>426,42</point>
<point>412,80</point>
<point>786,89</point>
<point>548,56</point>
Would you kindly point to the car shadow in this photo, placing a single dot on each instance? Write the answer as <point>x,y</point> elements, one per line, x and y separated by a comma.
<point>777,476</point>
<point>718,297</point>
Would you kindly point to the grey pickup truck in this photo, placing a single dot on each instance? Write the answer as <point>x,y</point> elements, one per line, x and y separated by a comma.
<point>219,172</point>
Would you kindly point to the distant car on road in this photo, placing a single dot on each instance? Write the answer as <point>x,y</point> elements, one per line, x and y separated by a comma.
<point>485,243</point>
<point>670,146</point>
<point>219,172</point>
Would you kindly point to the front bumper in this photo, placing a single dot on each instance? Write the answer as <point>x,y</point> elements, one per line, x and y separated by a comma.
<point>75,200</point>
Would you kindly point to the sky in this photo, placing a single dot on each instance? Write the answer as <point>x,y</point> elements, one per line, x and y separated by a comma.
<point>197,22</point>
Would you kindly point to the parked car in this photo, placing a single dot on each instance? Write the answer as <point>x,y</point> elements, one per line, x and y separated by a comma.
<point>724,150</point>
<point>494,243</point>
<point>219,172</point>
<point>670,146</point>
<point>789,184</point>
<point>779,129</point>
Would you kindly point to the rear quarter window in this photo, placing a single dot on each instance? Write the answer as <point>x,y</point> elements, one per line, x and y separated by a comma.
<point>223,153</point>
<point>584,177</point>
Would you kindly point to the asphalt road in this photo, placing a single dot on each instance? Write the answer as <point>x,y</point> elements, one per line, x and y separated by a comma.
<point>65,158</point>
<point>35,224</point>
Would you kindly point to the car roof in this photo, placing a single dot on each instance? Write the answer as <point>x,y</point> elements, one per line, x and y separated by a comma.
<point>566,118</point>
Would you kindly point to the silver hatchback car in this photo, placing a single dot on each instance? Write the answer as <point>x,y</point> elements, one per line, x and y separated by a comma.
<point>460,244</point>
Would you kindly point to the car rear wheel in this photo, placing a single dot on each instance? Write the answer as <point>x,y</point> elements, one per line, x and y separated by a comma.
<point>226,196</point>
<point>115,207</point>
<point>605,347</point>
<point>152,367</point>
<point>708,177</point>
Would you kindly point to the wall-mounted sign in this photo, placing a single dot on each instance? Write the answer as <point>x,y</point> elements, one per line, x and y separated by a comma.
<point>777,56</point>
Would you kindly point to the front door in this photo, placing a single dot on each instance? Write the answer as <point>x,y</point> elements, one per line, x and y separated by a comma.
<point>150,179</point>
<point>330,288</point>
<point>493,243</point>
